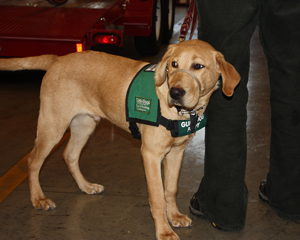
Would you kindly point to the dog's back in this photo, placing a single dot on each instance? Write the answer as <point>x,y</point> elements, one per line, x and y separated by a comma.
<point>95,80</point>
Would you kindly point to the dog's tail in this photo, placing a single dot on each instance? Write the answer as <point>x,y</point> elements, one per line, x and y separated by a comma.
<point>42,62</point>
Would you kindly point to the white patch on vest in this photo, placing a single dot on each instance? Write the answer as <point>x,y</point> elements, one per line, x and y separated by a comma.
<point>142,104</point>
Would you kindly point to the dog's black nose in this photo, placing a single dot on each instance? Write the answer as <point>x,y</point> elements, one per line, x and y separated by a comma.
<point>176,93</point>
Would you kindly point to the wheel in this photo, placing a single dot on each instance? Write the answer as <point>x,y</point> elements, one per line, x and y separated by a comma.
<point>168,14</point>
<point>57,2</point>
<point>150,45</point>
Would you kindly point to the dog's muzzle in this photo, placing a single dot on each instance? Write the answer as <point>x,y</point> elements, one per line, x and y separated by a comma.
<point>177,93</point>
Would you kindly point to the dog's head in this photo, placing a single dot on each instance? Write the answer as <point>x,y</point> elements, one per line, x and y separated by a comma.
<point>191,70</point>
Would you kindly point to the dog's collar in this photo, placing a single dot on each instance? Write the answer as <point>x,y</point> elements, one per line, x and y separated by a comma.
<point>194,113</point>
<point>181,112</point>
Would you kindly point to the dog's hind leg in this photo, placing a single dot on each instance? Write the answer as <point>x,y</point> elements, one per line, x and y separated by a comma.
<point>81,128</point>
<point>47,138</point>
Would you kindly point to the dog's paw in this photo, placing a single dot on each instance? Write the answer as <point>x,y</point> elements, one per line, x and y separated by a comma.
<point>168,236</point>
<point>93,188</point>
<point>43,203</point>
<point>180,220</point>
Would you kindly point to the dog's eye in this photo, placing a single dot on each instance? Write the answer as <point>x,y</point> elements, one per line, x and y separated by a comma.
<point>175,64</point>
<point>198,66</point>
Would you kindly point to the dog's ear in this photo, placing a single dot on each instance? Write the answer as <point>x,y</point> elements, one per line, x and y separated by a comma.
<point>230,77</point>
<point>161,71</point>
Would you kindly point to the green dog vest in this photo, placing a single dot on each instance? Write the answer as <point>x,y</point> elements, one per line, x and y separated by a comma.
<point>142,106</point>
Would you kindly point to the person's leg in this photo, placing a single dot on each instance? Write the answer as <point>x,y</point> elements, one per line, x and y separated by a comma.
<point>222,196</point>
<point>280,35</point>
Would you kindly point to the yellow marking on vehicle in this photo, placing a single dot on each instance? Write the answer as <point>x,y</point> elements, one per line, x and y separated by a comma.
<point>18,173</point>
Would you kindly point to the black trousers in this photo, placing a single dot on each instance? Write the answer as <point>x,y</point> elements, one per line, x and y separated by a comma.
<point>228,25</point>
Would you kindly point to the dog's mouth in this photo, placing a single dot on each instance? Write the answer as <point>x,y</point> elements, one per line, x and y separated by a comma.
<point>179,97</point>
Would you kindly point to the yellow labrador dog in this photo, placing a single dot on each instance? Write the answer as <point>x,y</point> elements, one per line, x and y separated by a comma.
<point>79,89</point>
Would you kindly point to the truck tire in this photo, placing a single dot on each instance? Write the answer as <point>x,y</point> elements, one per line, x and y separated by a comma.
<point>168,14</point>
<point>150,45</point>
<point>57,2</point>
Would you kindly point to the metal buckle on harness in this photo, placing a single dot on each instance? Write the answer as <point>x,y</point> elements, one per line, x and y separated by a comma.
<point>181,112</point>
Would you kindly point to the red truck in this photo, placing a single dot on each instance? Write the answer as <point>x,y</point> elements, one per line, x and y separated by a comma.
<point>61,26</point>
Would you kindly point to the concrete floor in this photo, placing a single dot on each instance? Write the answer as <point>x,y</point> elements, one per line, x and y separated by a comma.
<point>112,158</point>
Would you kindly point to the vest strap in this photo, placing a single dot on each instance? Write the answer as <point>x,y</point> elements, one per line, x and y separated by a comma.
<point>135,132</point>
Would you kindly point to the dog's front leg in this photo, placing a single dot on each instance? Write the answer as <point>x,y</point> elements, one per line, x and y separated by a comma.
<point>172,165</point>
<point>152,162</point>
